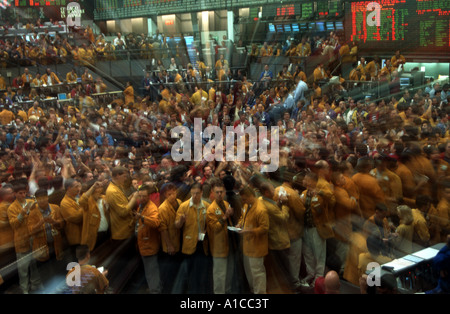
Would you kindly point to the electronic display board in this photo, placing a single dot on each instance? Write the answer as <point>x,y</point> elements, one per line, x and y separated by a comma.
<point>322,9</point>
<point>399,24</point>
<point>307,10</point>
<point>40,3</point>
<point>330,26</point>
<point>320,26</point>
<point>281,10</point>
<point>106,5</point>
<point>334,8</point>
<point>51,9</point>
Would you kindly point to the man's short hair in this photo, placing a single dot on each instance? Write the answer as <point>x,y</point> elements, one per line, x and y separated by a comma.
<point>246,191</point>
<point>117,171</point>
<point>197,186</point>
<point>168,187</point>
<point>20,187</point>
<point>217,183</point>
<point>69,183</point>
<point>265,187</point>
<point>41,192</point>
<point>4,190</point>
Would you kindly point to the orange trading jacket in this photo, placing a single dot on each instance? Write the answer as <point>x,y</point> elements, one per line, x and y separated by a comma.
<point>256,219</point>
<point>19,225</point>
<point>370,193</point>
<point>148,237</point>
<point>6,232</point>
<point>122,221</point>
<point>91,220</point>
<point>295,222</point>
<point>39,236</point>
<point>167,215</point>
<point>320,215</point>
<point>278,217</point>
<point>344,208</point>
<point>73,215</point>
<point>217,229</point>
<point>194,224</point>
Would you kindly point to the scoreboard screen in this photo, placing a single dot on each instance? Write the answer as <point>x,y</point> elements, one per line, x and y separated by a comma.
<point>322,9</point>
<point>334,8</point>
<point>399,24</point>
<point>51,9</point>
<point>308,10</point>
<point>281,10</point>
<point>40,3</point>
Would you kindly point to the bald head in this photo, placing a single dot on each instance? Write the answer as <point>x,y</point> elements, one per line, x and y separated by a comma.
<point>332,283</point>
<point>321,164</point>
<point>322,167</point>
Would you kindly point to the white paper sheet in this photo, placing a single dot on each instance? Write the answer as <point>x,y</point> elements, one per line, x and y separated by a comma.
<point>427,253</point>
<point>398,264</point>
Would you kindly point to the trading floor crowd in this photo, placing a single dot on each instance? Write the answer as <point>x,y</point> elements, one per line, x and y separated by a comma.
<point>359,181</point>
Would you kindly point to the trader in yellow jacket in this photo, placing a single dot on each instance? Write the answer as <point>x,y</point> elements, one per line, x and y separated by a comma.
<point>279,242</point>
<point>95,229</point>
<point>254,223</point>
<point>218,218</point>
<point>345,207</point>
<point>120,207</point>
<point>50,78</point>
<point>148,238</point>
<point>45,225</point>
<point>439,219</point>
<point>317,230</point>
<point>295,225</point>
<point>18,213</point>
<point>191,219</point>
<point>72,77</point>
<point>72,213</point>
<point>170,236</point>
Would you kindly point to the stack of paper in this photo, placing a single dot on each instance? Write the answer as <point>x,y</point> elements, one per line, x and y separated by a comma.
<point>399,264</point>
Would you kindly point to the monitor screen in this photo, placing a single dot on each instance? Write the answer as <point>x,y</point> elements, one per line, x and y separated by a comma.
<point>287,28</point>
<point>279,28</point>
<point>330,26</point>
<point>320,26</point>
<point>339,25</point>
<point>62,96</point>
<point>295,27</point>
<point>271,28</point>
<point>303,26</point>
<point>404,81</point>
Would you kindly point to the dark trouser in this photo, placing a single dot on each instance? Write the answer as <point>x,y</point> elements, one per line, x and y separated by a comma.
<point>102,237</point>
<point>169,266</point>
<point>53,272</point>
<point>279,278</point>
<point>195,274</point>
